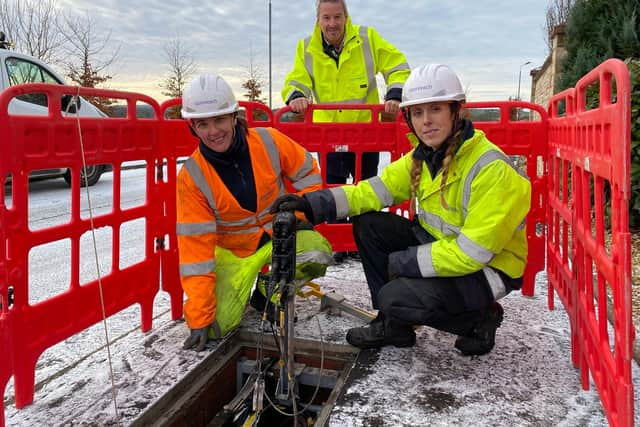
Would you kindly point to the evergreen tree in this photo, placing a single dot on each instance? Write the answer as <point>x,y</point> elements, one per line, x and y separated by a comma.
<point>598,30</point>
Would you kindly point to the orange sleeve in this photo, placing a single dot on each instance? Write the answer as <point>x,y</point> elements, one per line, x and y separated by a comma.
<point>195,250</point>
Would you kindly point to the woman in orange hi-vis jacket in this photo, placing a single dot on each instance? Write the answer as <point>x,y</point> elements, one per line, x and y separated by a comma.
<point>225,191</point>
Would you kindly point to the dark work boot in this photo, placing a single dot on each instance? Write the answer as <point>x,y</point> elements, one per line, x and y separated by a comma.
<point>380,333</point>
<point>340,257</point>
<point>483,336</point>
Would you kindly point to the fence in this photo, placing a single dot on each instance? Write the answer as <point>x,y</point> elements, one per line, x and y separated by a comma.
<point>589,192</point>
<point>32,143</point>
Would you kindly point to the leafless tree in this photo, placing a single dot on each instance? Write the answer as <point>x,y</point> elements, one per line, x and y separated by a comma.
<point>557,14</point>
<point>32,26</point>
<point>87,54</point>
<point>254,82</point>
<point>181,67</point>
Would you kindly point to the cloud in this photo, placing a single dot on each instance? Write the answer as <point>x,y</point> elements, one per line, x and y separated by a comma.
<point>486,42</point>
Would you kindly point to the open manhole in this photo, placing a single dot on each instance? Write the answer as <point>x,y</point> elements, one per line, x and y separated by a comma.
<point>220,390</point>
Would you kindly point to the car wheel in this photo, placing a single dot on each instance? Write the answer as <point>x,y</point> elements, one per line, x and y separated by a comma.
<point>93,173</point>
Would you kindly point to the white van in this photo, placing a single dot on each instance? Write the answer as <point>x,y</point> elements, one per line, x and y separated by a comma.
<point>16,68</point>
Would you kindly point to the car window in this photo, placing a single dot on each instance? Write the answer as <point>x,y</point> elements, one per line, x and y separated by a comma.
<point>21,71</point>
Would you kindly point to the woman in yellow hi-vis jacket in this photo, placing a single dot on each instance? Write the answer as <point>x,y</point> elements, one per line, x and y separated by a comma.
<point>225,191</point>
<point>466,246</point>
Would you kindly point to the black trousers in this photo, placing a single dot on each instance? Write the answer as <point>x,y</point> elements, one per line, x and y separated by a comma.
<point>341,165</point>
<point>451,304</point>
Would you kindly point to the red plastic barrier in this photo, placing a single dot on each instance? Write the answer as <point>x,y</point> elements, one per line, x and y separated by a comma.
<point>6,362</point>
<point>589,156</point>
<point>523,138</point>
<point>43,142</point>
<point>578,156</point>
<point>358,138</point>
<point>560,206</point>
<point>602,164</point>
<point>256,113</point>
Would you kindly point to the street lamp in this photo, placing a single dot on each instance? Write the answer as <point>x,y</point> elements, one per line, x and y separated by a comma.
<point>518,95</point>
<point>520,78</point>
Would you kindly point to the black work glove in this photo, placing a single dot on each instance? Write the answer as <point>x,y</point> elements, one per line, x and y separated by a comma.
<point>197,340</point>
<point>404,263</point>
<point>292,202</point>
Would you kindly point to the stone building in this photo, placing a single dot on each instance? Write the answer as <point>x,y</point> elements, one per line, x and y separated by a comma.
<point>544,78</point>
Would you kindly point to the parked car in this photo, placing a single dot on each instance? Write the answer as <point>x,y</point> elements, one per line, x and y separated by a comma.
<point>17,68</point>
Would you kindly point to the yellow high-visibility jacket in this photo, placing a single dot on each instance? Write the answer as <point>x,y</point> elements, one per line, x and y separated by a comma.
<point>484,224</point>
<point>353,80</point>
<point>209,216</point>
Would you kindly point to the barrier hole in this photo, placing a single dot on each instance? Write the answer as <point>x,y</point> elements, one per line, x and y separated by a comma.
<point>49,268</point>
<point>592,96</point>
<point>144,110</point>
<point>613,91</point>
<point>519,114</point>
<point>540,166</point>
<point>484,114</point>
<point>7,191</point>
<point>101,256</point>
<point>49,200</point>
<point>561,108</point>
<point>161,171</point>
<point>607,220</point>
<point>6,303</point>
<point>119,108</point>
<point>133,184</point>
<point>100,195</point>
<point>384,160</point>
<point>132,248</point>
<point>103,107</point>
<point>595,210</point>
<point>569,181</point>
<point>256,114</point>
<point>173,113</point>
<point>162,243</point>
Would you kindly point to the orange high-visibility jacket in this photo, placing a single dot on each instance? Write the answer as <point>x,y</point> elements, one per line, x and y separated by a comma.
<point>209,215</point>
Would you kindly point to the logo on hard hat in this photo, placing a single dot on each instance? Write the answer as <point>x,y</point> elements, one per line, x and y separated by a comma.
<point>417,88</point>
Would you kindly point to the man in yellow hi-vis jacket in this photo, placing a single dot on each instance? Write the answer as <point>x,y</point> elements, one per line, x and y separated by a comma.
<point>338,64</point>
<point>225,190</point>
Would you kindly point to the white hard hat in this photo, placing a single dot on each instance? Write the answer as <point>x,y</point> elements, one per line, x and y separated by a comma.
<point>208,95</point>
<point>431,83</point>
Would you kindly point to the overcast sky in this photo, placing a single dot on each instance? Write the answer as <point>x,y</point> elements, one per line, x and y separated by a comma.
<point>485,41</point>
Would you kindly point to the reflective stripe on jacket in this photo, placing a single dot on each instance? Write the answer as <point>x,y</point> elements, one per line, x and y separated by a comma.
<point>485,222</point>
<point>353,80</point>
<point>208,215</point>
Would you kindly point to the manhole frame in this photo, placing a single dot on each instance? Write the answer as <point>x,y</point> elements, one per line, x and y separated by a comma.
<point>176,405</point>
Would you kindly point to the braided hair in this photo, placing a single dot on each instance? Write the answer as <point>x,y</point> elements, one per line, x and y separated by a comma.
<point>453,141</point>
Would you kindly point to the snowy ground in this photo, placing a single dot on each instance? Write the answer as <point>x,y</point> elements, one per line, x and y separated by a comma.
<point>527,380</point>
